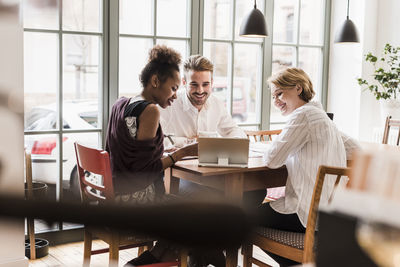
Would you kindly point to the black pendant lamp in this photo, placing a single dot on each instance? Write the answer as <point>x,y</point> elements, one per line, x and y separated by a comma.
<point>348,32</point>
<point>253,24</point>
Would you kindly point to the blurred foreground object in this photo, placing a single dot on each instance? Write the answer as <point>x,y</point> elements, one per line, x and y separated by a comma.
<point>198,225</point>
<point>367,213</point>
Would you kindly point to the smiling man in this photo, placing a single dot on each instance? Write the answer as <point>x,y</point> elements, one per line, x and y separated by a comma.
<point>196,110</point>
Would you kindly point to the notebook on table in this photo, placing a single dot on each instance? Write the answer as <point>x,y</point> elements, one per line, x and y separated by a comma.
<point>223,152</point>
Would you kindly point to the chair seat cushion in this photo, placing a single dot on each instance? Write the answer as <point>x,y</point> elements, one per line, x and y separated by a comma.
<point>292,239</point>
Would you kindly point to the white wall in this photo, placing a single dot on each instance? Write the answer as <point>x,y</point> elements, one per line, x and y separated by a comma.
<point>386,31</point>
<point>12,249</point>
<point>357,112</point>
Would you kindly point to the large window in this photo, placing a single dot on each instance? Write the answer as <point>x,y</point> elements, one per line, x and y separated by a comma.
<point>299,41</point>
<point>63,92</point>
<point>238,60</point>
<point>81,55</point>
<point>142,24</point>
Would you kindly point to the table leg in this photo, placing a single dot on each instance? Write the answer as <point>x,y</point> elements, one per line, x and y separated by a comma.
<point>233,192</point>
<point>234,187</point>
<point>171,183</point>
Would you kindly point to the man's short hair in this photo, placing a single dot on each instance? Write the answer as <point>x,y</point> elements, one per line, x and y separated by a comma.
<point>197,63</point>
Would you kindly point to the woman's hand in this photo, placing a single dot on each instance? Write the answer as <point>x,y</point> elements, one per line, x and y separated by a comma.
<point>189,150</point>
<point>170,150</point>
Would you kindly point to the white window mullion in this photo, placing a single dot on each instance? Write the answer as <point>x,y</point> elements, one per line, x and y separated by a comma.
<point>325,54</point>
<point>267,65</point>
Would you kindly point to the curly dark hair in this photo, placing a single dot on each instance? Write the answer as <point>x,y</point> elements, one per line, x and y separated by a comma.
<point>163,61</point>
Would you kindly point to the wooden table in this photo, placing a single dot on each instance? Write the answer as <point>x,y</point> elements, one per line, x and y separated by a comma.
<point>232,181</point>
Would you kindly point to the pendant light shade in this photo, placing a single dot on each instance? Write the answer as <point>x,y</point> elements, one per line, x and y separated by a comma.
<point>253,24</point>
<point>348,32</point>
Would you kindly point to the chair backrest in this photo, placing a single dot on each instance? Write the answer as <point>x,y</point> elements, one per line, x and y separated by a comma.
<point>391,123</point>
<point>96,162</point>
<point>308,254</point>
<point>262,135</point>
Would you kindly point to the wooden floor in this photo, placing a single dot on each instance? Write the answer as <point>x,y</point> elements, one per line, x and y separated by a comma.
<point>72,254</point>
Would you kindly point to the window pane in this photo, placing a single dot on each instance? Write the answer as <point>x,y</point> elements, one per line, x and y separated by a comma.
<point>219,54</point>
<point>44,151</point>
<point>40,14</point>
<point>247,83</point>
<point>136,17</point>
<point>70,175</point>
<point>243,8</point>
<point>172,18</point>
<point>180,46</point>
<point>312,21</point>
<point>81,88</point>
<point>40,80</point>
<point>133,55</point>
<point>310,60</point>
<point>285,21</point>
<point>217,19</point>
<point>275,115</point>
<point>277,126</point>
<point>81,15</point>
<point>283,57</point>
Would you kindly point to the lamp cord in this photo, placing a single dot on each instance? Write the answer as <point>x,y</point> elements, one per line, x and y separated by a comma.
<point>255,4</point>
<point>348,1</point>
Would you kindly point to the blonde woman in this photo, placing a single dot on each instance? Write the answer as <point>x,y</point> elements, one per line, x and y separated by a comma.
<point>308,140</point>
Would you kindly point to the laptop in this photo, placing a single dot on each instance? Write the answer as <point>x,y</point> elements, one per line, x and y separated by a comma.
<point>223,152</point>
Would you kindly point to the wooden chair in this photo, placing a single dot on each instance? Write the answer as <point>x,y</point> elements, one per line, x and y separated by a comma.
<point>263,135</point>
<point>298,247</point>
<point>390,123</point>
<point>97,162</point>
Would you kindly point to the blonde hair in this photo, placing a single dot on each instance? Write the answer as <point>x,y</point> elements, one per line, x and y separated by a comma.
<point>291,77</point>
<point>198,63</point>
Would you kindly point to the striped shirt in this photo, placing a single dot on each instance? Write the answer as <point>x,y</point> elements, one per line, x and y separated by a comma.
<point>308,140</point>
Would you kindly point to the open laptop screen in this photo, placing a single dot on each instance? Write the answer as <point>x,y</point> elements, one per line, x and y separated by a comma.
<point>223,152</point>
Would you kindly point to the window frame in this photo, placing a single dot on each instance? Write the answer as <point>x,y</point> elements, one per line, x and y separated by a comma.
<point>196,39</point>
<point>103,72</point>
<point>296,45</point>
<point>109,57</point>
<point>232,41</point>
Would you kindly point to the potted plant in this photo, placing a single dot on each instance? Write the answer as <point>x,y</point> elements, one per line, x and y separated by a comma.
<point>386,88</point>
